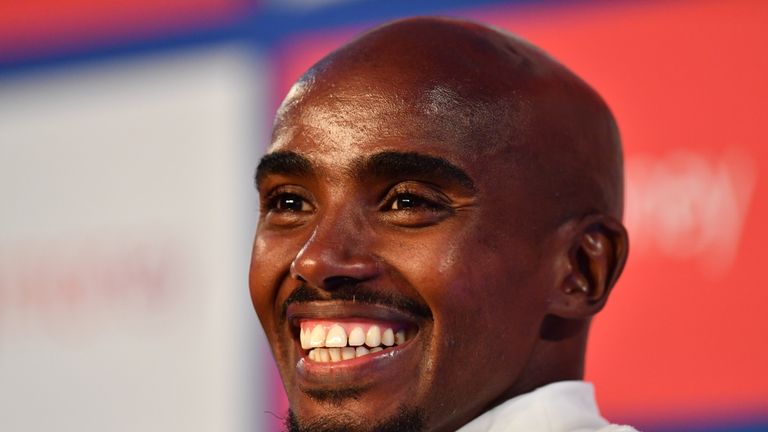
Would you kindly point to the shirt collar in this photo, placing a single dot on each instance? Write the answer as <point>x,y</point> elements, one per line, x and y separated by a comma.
<point>557,407</point>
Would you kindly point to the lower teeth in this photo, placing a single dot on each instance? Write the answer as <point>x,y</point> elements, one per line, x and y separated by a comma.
<point>325,355</point>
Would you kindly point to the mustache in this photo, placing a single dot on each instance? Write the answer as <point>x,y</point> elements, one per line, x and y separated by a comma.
<point>356,292</point>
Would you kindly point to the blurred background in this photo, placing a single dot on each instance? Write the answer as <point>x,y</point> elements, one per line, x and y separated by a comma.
<point>130,130</point>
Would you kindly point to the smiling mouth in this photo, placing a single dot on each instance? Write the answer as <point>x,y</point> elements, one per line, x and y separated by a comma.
<point>331,341</point>
<point>339,340</point>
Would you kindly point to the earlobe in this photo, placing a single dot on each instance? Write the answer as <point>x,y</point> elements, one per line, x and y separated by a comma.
<point>597,252</point>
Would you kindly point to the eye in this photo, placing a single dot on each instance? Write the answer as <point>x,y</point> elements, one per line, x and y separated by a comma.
<point>408,201</point>
<point>414,205</point>
<point>289,203</point>
<point>287,207</point>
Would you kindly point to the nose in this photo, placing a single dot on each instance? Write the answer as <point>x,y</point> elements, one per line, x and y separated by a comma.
<point>337,251</point>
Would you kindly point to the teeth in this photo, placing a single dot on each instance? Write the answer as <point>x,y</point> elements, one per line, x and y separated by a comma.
<point>333,345</point>
<point>317,338</point>
<point>335,354</point>
<point>400,337</point>
<point>373,338</point>
<point>356,337</point>
<point>304,337</point>
<point>322,355</point>
<point>337,337</point>
<point>388,338</point>
<point>347,353</point>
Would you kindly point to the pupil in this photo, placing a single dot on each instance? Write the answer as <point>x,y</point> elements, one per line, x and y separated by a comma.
<point>291,203</point>
<point>406,202</point>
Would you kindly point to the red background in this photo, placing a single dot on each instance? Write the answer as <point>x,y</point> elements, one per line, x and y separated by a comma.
<point>35,27</point>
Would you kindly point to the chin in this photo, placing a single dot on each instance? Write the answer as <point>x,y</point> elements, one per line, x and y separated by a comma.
<point>404,419</point>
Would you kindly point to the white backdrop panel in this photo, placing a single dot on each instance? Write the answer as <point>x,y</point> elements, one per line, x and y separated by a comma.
<point>127,210</point>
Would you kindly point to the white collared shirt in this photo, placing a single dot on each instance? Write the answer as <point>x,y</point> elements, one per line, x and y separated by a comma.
<point>566,406</point>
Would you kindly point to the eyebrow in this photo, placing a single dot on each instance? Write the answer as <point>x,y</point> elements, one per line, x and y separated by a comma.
<point>388,164</point>
<point>281,162</point>
<point>412,164</point>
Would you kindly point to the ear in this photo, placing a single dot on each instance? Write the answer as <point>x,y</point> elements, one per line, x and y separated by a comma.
<point>595,252</point>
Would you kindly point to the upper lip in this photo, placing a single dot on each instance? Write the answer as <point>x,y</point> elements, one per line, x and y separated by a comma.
<point>338,310</point>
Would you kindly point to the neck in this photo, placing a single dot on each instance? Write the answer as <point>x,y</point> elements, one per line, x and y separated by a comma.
<point>557,356</point>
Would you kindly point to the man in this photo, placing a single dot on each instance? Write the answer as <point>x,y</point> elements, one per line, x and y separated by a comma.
<point>440,212</point>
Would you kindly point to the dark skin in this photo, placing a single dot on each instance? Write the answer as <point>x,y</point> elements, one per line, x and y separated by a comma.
<point>471,196</point>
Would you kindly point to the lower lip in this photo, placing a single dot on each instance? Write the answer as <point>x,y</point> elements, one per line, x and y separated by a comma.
<point>353,369</point>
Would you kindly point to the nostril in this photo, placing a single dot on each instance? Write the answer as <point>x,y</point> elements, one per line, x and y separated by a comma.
<point>335,283</point>
<point>323,265</point>
<point>294,271</point>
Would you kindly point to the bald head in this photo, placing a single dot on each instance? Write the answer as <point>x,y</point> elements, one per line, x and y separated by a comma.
<point>500,95</point>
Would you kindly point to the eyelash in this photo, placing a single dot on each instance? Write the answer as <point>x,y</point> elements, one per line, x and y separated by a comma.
<point>418,199</point>
<point>403,204</point>
<point>273,201</point>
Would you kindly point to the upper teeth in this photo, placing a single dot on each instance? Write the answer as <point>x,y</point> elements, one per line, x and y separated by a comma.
<point>343,347</point>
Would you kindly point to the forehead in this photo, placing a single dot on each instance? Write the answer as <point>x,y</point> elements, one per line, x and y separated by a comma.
<point>345,118</point>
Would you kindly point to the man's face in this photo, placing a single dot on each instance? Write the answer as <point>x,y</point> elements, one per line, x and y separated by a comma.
<point>384,213</point>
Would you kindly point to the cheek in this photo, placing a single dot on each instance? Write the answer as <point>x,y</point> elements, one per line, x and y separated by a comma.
<point>427,260</point>
<point>487,305</point>
<point>485,332</point>
<point>270,264</point>
<point>464,267</point>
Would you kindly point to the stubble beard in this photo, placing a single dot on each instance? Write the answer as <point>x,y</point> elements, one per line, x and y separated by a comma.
<point>407,419</point>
